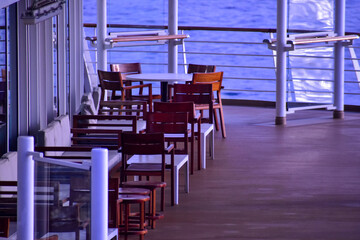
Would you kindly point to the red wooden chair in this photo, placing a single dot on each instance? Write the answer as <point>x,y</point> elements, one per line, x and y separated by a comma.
<point>216,80</point>
<point>127,69</point>
<point>182,107</point>
<point>113,82</point>
<point>145,144</point>
<point>199,94</point>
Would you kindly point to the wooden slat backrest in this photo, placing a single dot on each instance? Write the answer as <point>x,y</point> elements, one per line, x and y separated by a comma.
<point>198,68</point>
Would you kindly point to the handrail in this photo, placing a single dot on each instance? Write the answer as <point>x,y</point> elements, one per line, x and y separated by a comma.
<point>140,38</point>
<point>146,38</point>
<point>322,39</point>
<point>263,30</point>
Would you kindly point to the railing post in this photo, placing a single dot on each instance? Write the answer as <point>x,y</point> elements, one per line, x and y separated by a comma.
<point>281,33</point>
<point>101,34</point>
<point>99,194</point>
<point>173,29</point>
<point>339,60</point>
<point>25,196</point>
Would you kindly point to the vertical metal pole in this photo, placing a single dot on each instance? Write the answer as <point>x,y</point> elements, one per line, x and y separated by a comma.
<point>173,29</point>
<point>101,34</point>
<point>25,201</point>
<point>281,62</point>
<point>99,194</point>
<point>339,60</point>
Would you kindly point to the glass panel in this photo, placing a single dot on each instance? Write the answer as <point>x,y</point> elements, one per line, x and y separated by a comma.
<point>310,74</point>
<point>62,201</point>
<point>3,80</point>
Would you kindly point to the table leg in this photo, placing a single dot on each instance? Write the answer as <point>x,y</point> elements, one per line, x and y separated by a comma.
<point>164,91</point>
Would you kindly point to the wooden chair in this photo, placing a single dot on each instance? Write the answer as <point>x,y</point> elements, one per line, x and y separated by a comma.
<point>128,69</point>
<point>120,215</point>
<point>175,128</point>
<point>199,94</point>
<point>183,107</point>
<point>113,82</point>
<point>198,68</point>
<point>145,144</point>
<point>216,80</point>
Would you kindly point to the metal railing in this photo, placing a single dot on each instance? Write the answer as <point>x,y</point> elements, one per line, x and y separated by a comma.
<point>248,64</point>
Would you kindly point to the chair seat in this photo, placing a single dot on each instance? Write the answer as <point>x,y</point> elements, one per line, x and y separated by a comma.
<point>112,124</point>
<point>144,184</point>
<point>133,198</point>
<point>144,167</point>
<point>134,191</point>
<point>206,106</point>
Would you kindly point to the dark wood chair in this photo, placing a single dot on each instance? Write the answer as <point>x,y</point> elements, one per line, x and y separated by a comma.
<point>128,69</point>
<point>183,107</point>
<point>216,80</point>
<point>146,144</point>
<point>199,94</point>
<point>120,216</point>
<point>113,83</point>
<point>199,68</point>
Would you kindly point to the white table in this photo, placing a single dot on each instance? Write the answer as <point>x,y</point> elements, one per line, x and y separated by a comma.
<point>179,161</point>
<point>164,78</point>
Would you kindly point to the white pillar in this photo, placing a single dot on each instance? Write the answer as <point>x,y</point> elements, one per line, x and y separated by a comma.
<point>281,33</point>
<point>173,29</point>
<point>339,60</point>
<point>101,34</point>
<point>25,201</point>
<point>99,194</point>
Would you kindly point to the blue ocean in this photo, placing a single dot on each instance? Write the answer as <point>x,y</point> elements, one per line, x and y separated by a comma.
<point>242,74</point>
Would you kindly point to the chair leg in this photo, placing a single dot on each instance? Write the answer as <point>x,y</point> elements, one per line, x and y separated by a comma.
<point>162,199</point>
<point>192,150</point>
<point>216,122</point>
<point>221,112</point>
<point>199,147</point>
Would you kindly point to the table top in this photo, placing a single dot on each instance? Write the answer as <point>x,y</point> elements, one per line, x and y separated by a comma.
<point>161,77</point>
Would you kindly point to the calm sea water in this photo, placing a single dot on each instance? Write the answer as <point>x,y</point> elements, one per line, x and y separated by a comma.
<point>224,13</point>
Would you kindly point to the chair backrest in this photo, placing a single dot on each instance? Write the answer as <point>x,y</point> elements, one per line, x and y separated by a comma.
<point>198,68</point>
<point>173,125</point>
<point>176,107</point>
<point>110,81</point>
<point>196,93</point>
<point>128,68</point>
<point>214,78</point>
<point>143,144</point>
<point>167,122</point>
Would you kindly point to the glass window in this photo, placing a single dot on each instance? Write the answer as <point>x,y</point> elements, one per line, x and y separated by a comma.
<point>3,80</point>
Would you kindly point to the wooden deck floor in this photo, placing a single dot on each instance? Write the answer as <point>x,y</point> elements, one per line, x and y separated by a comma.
<point>301,181</point>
